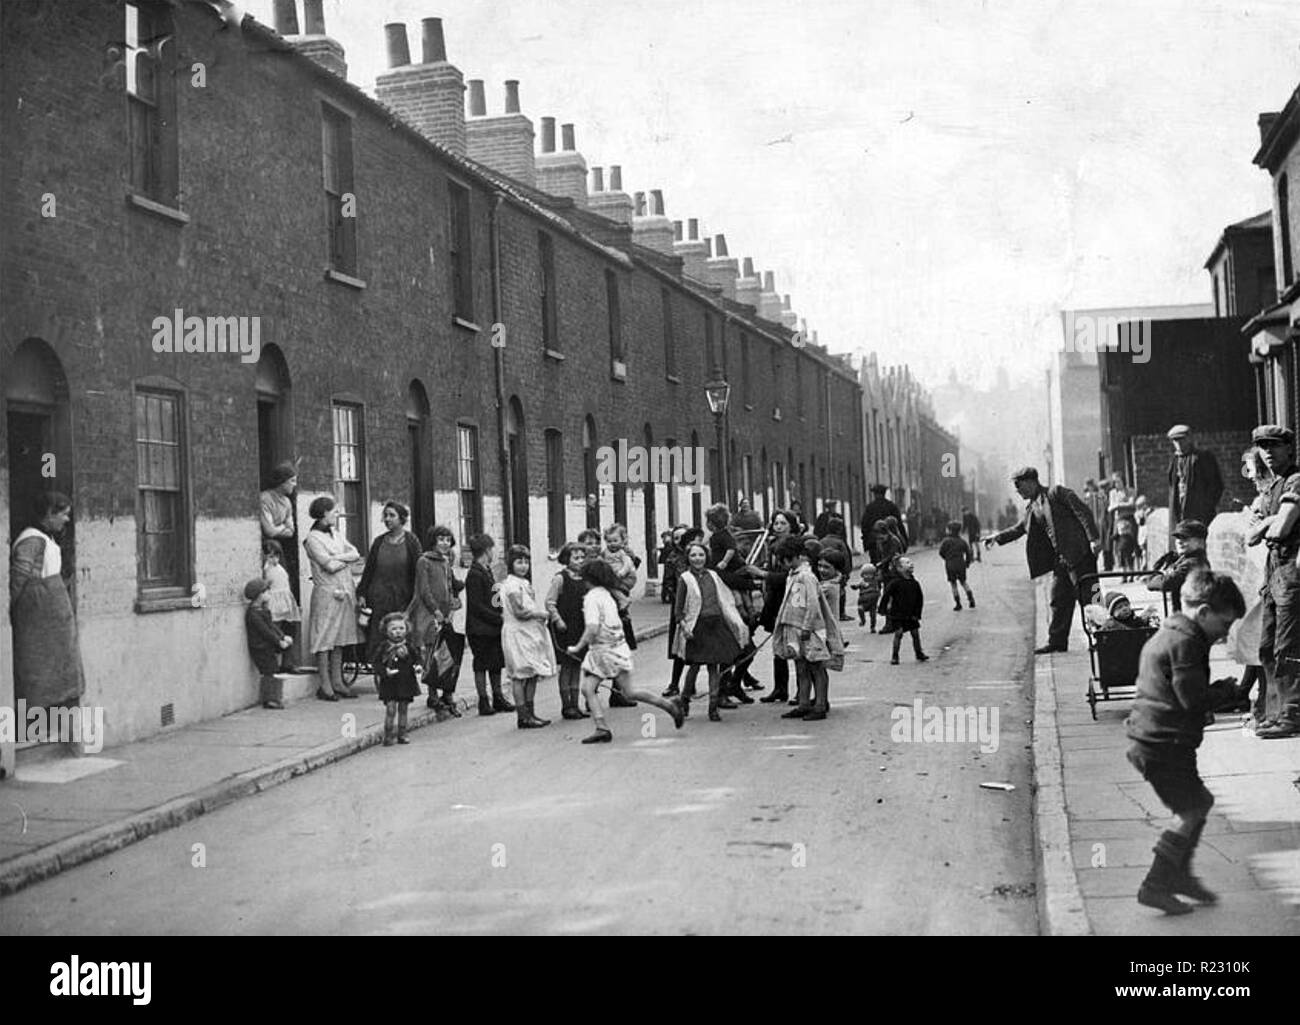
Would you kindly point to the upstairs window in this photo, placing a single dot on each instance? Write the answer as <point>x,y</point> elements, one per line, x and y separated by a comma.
<point>462,282</point>
<point>746,396</point>
<point>670,342</point>
<point>546,257</point>
<point>1284,223</point>
<point>556,528</point>
<point>340,200</point>
<point>710,354</point>
<point>615,313</point>
<point>151,101</point>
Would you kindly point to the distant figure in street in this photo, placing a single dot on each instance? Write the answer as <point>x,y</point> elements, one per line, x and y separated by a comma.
<point>878,508</point>
<point>956,556</point>
<point>1167,725</point>
<point>970,525</point>
<point>1062,539</point>
<point>903,603</point>
<point>1195,484</point>
<point>829,509</point>
<point>1097,500</point>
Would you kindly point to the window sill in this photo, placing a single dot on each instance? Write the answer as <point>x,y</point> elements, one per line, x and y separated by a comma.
<point>673,378</point>
<point>555,355</point>
<point>344,279</point>
<point>468,325</point>
<point>618,370</point>
<point>164,603</point>
<point>167,213</point>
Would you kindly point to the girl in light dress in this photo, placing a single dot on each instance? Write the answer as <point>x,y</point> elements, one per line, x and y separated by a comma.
<point>280,602</point>
<point>525,641</point>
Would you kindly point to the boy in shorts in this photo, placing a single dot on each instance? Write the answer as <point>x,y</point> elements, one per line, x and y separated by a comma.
<point>956,556</point>
<point>1166,726</point>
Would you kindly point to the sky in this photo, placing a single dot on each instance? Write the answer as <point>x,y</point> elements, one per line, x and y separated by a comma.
<point>931,180</point>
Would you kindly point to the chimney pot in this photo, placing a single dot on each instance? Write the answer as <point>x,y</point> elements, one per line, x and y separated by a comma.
<point>769,281</point>
<point>548,135</point>
<point>720,245</point>
<point>477,98</point>
<point>638,200</point>
<point>694,229</point>
<point>708,247</point>
<point>677,231</point>
<point>785,303</point>
<point>597,179</point>
<point>657,202</point>
<point>748,267</point>
<point>512,96</point>
<point>435,46</point>
<point>313,17</point>
<point>570,145</point>
<point>399,52</point>
<point>616,178</point>
<point>286,17</point>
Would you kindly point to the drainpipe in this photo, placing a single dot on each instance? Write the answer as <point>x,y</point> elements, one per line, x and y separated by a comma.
<point>499,367</point>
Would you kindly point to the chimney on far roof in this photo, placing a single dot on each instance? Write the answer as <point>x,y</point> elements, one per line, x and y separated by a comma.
<point>313,43</point>
<point>789,318</point>
<point>597,179</point>
<point>563,173</point>
<point>477,99</point>
<point>693,251</point>
<point>750,285</point>
<point>769,303</point>
<point>652,228</point>
<point>504,142</point>
<point>429,96</point>
<point>614,204</point>
<point>721,268</point>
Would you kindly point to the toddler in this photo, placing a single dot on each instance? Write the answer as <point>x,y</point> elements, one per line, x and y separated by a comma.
<point>868,588</point>
<point>397,675</point>
<point>902,603</point>
<point>265,641</point>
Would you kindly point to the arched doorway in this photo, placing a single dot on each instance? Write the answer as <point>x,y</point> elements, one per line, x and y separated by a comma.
<point>39,424</point>
<point>420,480</point>
<point>275,442</point>
<point>516,485</point>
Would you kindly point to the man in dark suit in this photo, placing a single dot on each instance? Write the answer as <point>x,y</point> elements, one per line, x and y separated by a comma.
<point>1062,539</point>
<point>879,508</point>
<point>1195,483</point>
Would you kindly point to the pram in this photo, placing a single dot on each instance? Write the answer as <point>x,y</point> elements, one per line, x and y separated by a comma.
<point>1114,654</point>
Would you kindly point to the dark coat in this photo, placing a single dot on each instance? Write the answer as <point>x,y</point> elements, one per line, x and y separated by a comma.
<point>1204,488</point>
<point>1072,524</point>
<point>1173,686</point>
<point>903,601</point>
<point>482,618</point>
<point>879,509</point>
<point>264,639</point>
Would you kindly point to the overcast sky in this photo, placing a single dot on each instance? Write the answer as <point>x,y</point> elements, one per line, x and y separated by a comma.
<point>933,180</point>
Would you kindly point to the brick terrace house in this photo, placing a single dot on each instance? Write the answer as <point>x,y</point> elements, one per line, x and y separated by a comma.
<point>160,162</point>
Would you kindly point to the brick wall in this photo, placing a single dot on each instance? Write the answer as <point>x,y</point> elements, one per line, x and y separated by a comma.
<point>1152,453</point>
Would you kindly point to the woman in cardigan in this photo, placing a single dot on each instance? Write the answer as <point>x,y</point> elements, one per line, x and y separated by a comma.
<point>332,618</point>
<point>388,582</point>
<point>483,626</point>
<point>710,631</point>
<point>47,659</point>
<point>436,589</point>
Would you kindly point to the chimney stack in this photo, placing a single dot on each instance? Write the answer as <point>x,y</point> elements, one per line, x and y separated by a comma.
<point>677,231</point>
<point>504,142</point>
<point>721,268</point>
<point>477,98</point>
<point>1266,125</point>
<point>313,43</point>
<point>750,286</point>
<point>652,228</point>
<point>597,179</point>
<point>615,203</point>
<point>694,252</point>
<point>769,303</point>
<point>563,173</point>
<point>789,318</point>
<point>429,96</point>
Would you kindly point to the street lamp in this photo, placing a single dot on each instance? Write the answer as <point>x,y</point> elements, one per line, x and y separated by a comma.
<point>718,392</point>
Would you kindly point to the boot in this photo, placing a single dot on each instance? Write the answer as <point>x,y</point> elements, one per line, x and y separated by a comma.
<point>272,692</point>
<point>1157,889</point>
<point>524,718</point>
<point>401,726</point>
<point>714,715</point>
<point>1188,885</point>
<point>536,722</point>
<point>388,734</point>
<point>485,706</point>
<point>500,702</point>
<point>569,702</point>
<point>480,685</point>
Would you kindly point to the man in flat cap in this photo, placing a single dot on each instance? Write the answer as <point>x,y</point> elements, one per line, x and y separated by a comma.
<point>1279,637</point>
<point>1062,539</point>
<point>1195,483</point>
<point>879,508</point>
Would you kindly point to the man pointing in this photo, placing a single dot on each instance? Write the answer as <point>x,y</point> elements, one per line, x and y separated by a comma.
<point>1062,540</point>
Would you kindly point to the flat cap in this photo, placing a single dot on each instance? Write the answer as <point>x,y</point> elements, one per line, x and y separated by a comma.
<point>1273,433</point>
<point>255,587</point>
<point>1025,473</point>
<point>878,489</point>
<point>1178,431</point>
<point>1191,528</point>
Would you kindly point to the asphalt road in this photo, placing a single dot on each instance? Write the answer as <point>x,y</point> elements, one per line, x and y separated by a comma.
<point>755,825</point>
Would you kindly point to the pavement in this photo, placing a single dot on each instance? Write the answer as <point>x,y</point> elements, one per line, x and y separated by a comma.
<point>60,812</point>
<point>1097,819</point>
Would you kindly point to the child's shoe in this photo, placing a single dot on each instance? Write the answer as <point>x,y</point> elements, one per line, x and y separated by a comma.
<point>970,601</point>
<point>388,736</point>
<point>922,657</point>
<point>894,661</point>
<point>957,607</point>
<point>601,736</point>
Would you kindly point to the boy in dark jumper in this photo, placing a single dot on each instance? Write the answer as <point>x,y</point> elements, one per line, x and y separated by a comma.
<point>265,641</point>
<point>956,556</point>
<point>902,603</point>
<point>1167,724</point>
